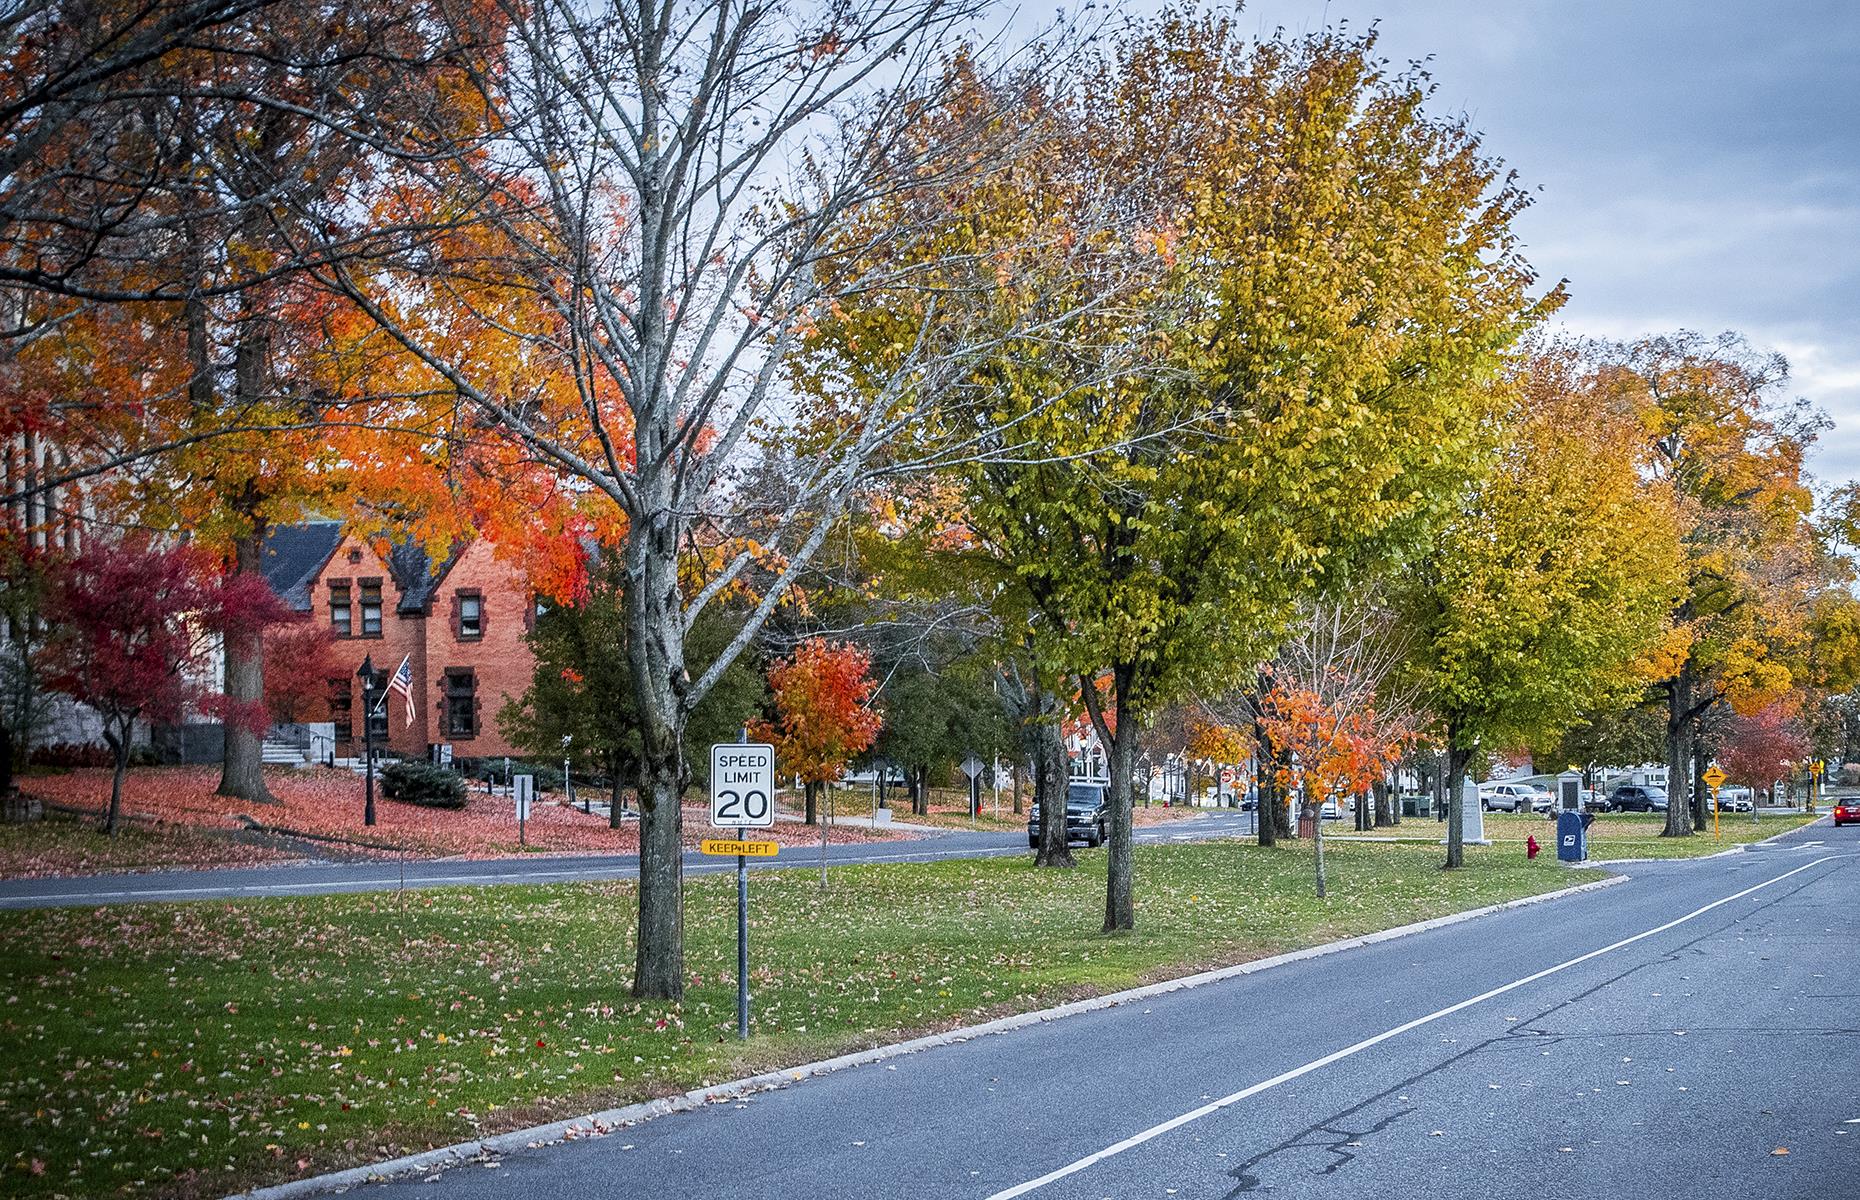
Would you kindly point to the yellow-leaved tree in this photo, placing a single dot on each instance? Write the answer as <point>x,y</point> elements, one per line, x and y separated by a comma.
<point>1554,578</point>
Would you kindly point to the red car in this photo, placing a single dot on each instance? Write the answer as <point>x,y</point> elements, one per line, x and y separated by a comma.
<point>1845,811</point>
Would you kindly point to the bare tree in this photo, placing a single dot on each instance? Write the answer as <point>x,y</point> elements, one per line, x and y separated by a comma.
<point>664,196</point>
<point>1347,651</point>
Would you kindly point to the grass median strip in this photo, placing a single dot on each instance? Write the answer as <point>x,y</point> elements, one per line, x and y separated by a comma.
<point>1614,837</point>
<point>192,1049</point>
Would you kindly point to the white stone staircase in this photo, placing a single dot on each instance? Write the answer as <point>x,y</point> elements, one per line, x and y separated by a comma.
<point>281,754</point>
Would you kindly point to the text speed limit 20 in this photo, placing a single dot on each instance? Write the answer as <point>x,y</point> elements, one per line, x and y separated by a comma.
<point>742,785</point>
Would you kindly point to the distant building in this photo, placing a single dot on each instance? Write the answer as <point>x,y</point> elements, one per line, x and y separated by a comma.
<point>459,622</point>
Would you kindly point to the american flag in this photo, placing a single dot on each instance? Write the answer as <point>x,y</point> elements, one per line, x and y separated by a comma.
<point>403,684</point>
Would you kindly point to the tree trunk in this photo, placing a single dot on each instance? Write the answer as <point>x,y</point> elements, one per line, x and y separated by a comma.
<point>1049,792</point>
<point>655,660</point>
<point>658,971</point>
<point>6,760</point>
<point>119,750</point>
<point>810,790</point>
<point>1018,810</point>
<point>1317,841</point>
<point>1282,811</point>
<point>242,772</point>
<point>920,791</point>
<point>1678,754</point>
<point>1455,780</point>
<point>1701,794</point>
<point>1266,829</point>
<point>1120,914</point>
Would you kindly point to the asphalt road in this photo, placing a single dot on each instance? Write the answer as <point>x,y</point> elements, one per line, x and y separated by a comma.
<point>1663,1037</point>
<point>290,879</point>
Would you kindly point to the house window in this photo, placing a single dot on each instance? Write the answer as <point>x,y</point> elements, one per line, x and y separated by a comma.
<point>374,687</point>
<point>341,709</point>
<point>371,608</point>
<point>341,616</point>
<point>471,616</point>
<point>461,703</point>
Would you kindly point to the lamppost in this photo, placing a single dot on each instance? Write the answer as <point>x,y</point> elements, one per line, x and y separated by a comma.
<point>568,785</point>
<point>367,674</point>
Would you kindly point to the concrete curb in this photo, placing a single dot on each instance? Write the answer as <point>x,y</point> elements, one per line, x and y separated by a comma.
<point>596,1124</point>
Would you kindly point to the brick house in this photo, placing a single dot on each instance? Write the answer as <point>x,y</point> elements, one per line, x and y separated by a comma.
<point>460,622</point>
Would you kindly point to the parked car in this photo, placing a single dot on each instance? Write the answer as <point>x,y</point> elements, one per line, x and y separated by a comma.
<point>1735,799</point>
<point>1637,797</point>
<point>1085,814</point>
<point>1515,797</point>
<point>1846,812</point>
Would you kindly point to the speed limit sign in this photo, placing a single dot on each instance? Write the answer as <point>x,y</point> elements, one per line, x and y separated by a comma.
<point>742,785</point>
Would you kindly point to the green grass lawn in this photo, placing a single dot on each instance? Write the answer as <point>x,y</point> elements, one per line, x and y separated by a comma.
<point>1612,837</point>
<point>1616,836</point>
<point>193,1049</point>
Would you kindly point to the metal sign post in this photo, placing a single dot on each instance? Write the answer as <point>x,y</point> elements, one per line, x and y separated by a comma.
<point>1714,779</point>
<point>972,767</point>
<point>742,796</point>
<point>523,791</point>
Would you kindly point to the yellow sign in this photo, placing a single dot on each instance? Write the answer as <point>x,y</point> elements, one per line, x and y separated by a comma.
<point>732,849</point>
<point>1714,778</point>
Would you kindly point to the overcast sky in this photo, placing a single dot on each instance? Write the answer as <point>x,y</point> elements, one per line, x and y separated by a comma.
<point>1698,161</point>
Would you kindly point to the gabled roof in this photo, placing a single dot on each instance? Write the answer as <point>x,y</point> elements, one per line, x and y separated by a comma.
<point>294,555</point>
<point>417,576</point>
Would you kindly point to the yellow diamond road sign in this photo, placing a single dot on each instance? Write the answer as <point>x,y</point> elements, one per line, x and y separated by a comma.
<point>729,848</point>
<point>1714,778</point>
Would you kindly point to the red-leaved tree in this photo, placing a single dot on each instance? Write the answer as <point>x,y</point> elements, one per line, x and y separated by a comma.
<point>300,660</point>
<point>821,714</point>
<point>1757,749</point>
<point>133,627</point>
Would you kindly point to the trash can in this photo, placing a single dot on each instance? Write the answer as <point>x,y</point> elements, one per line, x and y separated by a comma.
<point>1572,838</point>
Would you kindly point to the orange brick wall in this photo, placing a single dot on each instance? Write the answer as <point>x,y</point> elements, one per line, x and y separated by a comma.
<point>500,661</point>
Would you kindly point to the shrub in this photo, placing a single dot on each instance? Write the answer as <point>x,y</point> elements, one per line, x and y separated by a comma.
<point>423,784</point>
<point>71,754</point>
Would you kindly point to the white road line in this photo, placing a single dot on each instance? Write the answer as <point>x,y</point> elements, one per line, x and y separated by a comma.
<point>1214,1106</point>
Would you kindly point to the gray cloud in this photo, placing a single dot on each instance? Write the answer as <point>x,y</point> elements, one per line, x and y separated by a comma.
<point>1696,164</point>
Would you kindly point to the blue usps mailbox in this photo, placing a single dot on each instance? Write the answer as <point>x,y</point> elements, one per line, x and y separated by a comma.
<point>1572,840</point>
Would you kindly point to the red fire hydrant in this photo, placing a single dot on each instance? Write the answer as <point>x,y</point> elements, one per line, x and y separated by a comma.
<point>1531,847</point>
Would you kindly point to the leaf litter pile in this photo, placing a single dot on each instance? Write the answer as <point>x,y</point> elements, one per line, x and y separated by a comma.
<point>179,808</point>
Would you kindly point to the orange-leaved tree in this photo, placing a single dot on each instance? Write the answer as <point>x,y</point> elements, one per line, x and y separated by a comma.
<point>822,718</point>
<point>1335,749</point>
